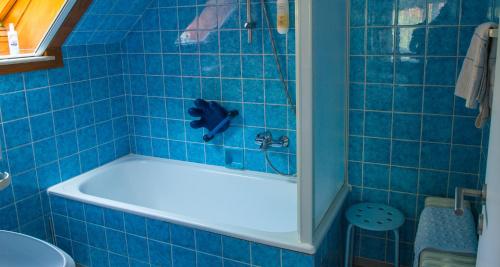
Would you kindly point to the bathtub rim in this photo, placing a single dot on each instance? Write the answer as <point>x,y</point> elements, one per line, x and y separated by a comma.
<point>69,189</point>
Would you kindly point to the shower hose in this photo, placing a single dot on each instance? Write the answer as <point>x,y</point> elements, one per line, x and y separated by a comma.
<point>283,82</point>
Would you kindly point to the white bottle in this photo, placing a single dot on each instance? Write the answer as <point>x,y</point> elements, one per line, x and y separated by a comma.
<point>13,40</point>
<point>283,16</point>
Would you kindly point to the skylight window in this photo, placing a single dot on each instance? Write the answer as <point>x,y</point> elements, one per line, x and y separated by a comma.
<point>27,27</point>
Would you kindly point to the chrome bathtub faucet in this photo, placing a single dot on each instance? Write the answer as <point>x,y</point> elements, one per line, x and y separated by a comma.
<point>265,141</point>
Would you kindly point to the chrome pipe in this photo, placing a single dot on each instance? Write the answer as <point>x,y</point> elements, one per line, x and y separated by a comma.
<point>249,24</point>
<point>461,193</point>
<point>459,201</point>
<point>249,20</point>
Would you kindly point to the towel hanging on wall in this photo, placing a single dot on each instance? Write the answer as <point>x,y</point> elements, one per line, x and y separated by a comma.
<point>476,79</point>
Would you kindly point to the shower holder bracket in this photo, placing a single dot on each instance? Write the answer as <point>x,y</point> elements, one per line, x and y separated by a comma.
<point>249,25</point>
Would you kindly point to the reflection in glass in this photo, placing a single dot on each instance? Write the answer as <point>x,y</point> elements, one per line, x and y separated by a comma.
<point>214,15</point>
<point>436,9</point>
<point>411,40</point>
<point>411,13</point>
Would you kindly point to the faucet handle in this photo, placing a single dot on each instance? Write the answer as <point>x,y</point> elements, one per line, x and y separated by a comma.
<point>263,139</point>
<point>284,141</point>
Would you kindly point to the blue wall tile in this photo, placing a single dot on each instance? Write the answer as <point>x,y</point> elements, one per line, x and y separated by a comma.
<point>441,71</point>
<point>376,176</point>
<point>377,150</point>
<point>408,99</point>
<point>409,70</point>
<point>357,41</point>
<point>13,106</point>
<point>379,97</point>
<point>380,41</point>
<point>295,259</point>
<point>38,101</point>
<point>17,133</point>
<point>475,12</point>
<point>135,225</point>
<point>439,100</point>
<point>433,183</point>
<point>94,214</point>
<point>25,185</point>
<point>236,249</point>
<point>378,124</point>
<point>406,126</point>
<point>432,133</point>
<point>116,241</point>
<point>136,248</point>
<point>380,69</point>
<point>439,44</point>
<point>159,253</point>
<point>182,236</point>
<point>405,153</point>
<point>11,83</point>
<point>404,179</point>
<point>357,18</point>
<point>465,159</point>
<point>381,12</point>
<point>465,132</point>
<point>357,69</point>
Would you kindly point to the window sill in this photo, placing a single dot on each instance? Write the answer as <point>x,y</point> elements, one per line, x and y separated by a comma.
<point>51,59</point>
<point>23,60</point>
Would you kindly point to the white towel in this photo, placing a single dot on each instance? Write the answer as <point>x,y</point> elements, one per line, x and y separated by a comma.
<point>476,78</point>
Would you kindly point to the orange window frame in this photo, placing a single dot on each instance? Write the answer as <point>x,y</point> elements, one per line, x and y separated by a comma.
<point>54,48</point>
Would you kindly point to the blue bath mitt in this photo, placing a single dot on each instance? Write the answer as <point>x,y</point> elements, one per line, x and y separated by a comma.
<point>213,117</point>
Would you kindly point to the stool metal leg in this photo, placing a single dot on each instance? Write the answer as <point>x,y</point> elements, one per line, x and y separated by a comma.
<point>351,249</point>
<point>396,248</point>
<point>348,246</point>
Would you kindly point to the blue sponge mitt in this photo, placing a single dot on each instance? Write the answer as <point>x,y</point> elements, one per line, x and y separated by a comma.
<point>212,116</point>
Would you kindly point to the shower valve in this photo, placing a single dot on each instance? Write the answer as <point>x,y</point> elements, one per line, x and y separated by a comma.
<point>265,141</point>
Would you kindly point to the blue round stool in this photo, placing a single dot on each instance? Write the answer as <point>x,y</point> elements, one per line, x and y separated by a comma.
<point>373,217</point>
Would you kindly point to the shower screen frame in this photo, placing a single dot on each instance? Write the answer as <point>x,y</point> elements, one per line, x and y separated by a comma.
<point>311,21</point>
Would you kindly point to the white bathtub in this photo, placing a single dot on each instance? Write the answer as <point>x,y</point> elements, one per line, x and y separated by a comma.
<point>253,206</point>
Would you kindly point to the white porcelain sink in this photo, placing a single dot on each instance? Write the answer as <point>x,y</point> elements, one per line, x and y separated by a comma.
<point>18,250</point>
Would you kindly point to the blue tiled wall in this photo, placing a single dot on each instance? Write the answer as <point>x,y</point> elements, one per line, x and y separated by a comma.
<point>409,136</point>
<point>96,236</point>
<point>56,124</point>
<point>164,79</point>
<point>107,22</point>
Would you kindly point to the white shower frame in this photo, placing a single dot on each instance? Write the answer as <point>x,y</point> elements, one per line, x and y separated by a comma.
<point>308,232</point>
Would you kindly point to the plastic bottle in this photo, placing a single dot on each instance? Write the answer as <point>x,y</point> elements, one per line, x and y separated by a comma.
<point>13,40</point>
<point>283,16</point>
